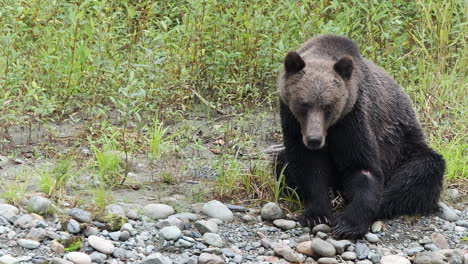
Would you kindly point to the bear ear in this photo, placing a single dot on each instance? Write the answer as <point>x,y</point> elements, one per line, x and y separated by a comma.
<point>344,67</point>
<point>293,62</point>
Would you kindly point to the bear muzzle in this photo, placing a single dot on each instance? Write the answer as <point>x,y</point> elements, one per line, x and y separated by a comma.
<point>313,130</point>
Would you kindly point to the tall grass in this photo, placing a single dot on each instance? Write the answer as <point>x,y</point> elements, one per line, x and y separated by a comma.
<point>141,59</point>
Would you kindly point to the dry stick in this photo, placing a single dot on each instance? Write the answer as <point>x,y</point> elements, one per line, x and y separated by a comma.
<point>206,102</point>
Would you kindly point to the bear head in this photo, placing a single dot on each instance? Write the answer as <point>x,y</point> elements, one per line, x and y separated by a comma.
<point>318,92</point>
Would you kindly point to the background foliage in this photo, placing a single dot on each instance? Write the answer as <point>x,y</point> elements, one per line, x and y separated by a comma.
<point>142,58</point>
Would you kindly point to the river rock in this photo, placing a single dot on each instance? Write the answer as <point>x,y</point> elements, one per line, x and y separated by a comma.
<point>100,244</point>
<point>271,211</point>
<point>218,210</point>
<point>157,211</point>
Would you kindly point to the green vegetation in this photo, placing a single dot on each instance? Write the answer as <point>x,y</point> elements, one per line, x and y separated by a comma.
<point>13,192</point>
<point>122,69</point>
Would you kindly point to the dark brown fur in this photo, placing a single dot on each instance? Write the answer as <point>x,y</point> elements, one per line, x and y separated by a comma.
<point>346,123</point>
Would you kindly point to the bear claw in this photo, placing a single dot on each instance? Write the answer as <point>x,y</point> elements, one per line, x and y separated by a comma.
<point>311,221</point>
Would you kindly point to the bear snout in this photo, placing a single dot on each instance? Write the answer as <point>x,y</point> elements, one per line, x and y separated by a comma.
<point>314,142</point>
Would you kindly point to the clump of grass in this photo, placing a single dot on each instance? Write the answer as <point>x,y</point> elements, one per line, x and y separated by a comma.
<point>253,183</point>
<point>53,181</point>
<point>455,153</point>
<point>13,192</point>
<point>158,141</point>
<point>168,178</point>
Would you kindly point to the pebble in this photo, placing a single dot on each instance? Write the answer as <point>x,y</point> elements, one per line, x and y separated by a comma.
<point>100,244</point>
<point>349,255</point>
<point>327,261</point>
<point>373,238</point>
<point>80,215</point>
<point>271,211</point>
<point>394,259</point>
<point>124,236</point>
<point>284,224</point>
<point>206,226</point>
<point>73,226</point>
<point>98,257</point>
<point>429,258</point>
<point>321,228</point>
<point>7,259</point>
<point>28,243</point>
<point>459,229</point>
<point>376,227</point>
<point>115,209</point>
<point>323,248</point>
<point>171,232</point>
<point>78,258</point>
<point>8,211</point>
<point>213,239</point>
<point>57,247</point>
<point>412,251</point>
<point>305,248</point>
<point>218,210</point>
<point>39,205</point>
<point>286,252</point>
<point>206,258</point>
<point>440,241</point>
<point>362,250</point>
<point>463,223</point>
<point>447,213</point>
<point>453,194</point>
<point>26,221</point>
<point>133,214</point>
<point>340,245</point>
<point>188,216</point>
<point>157,211</point>
<point>366,261</point>
<point>157,258</point>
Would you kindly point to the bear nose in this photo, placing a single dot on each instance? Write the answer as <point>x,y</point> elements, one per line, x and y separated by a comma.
<point>314,141</point>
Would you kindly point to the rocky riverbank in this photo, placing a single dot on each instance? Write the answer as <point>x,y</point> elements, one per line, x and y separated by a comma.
<point>214,232</point>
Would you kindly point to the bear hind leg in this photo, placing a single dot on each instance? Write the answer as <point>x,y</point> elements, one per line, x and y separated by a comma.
<point>415,187</point>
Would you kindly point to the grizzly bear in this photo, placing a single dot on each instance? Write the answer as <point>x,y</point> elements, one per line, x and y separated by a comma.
<point>347,125</point>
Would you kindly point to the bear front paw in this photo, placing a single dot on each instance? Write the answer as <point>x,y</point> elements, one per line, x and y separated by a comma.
<point>310,219</point>
<point>345,229</point>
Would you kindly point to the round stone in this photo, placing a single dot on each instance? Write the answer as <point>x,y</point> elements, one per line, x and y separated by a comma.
<point>8,211</point>
<point>73,226</point>
<point>284,224</point>
<point>376,226</point>
<point>362,250</point>
<point>115,209</point>
<point>286,252</point>
<point>26,221</point>
<point>321,228</point>
<point>98,257</point>
<point>429,257</point>
<point>440,241</point>
<point>206,258</point>
<point>349,255</point>
<point>447,213</point>
<point>340,245</point>
<point>78,258</point>
<point>157,211</point>
<point>394,259</point>
<point>218,210</point>
<point>7,259</point>
<point>80,215</point>
<point>271,211</point>
<point>206,226</point>
<point>28,243</point>
<point>323,248</point>
<point>213,239</point>
<point>100,244</point>
<point>305,248</point>
<point>327,261</point>
<point>171,232</point>
<point>39,205</point>
<point>373,238</point>
<point>124,235</point>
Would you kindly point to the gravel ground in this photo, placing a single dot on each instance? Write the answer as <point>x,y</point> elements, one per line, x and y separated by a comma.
<point>217,233</point>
